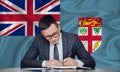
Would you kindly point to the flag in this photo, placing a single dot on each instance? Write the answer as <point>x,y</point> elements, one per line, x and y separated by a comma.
<point>20,18</point>
<point>18,26</point>
<point>107,55</point>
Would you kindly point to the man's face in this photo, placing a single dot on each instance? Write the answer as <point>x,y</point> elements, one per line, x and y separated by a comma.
<point>52,34</point>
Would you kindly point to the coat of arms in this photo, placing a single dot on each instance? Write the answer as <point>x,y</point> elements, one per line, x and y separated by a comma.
<point>90,33</point>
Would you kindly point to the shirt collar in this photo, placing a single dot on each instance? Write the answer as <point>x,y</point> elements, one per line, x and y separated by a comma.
<point>60,39</point>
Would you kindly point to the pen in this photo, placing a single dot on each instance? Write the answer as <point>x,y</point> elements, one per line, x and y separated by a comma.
<point>69,54</point>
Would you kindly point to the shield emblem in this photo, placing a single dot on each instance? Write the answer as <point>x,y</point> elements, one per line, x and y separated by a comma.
<point>90,33</point>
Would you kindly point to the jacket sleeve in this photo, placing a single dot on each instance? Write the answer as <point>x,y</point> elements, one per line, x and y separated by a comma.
<point>83,55</point>
<point>29,60</point>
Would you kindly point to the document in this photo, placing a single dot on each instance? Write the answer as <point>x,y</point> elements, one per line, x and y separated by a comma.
<point>69,67</point>
<point>58,67</point>
<point>43,68</point>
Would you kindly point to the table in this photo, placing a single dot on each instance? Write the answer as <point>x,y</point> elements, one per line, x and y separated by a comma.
<point>53,70</point>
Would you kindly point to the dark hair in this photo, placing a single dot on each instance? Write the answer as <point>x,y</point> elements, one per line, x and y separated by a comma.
<point>46,21</point>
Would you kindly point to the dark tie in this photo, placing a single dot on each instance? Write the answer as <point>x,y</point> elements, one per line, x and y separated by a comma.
<point>56,53</point>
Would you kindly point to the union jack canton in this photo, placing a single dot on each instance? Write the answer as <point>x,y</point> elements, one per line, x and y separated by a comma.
<point>20,17</point>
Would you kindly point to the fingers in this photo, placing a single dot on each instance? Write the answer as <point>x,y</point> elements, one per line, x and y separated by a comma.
<point>70,62</point>
<point>55,63</point>
<point>67,63</point>
<point>67,59</point>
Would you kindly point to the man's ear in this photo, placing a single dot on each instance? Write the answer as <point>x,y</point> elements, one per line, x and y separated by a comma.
<point>59,27</point>
<point>42,33</point>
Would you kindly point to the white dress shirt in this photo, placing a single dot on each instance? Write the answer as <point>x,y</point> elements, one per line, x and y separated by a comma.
<point>60,50</point>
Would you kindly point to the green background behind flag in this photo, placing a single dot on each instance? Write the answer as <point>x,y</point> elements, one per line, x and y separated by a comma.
<point>12,49</point>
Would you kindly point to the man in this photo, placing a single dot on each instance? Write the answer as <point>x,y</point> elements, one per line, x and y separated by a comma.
<point>54,47</point>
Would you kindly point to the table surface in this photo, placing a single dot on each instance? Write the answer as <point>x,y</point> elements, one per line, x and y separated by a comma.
<point>53,70</point>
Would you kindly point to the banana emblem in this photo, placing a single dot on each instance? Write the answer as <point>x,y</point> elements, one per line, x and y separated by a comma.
<point>96,45</point>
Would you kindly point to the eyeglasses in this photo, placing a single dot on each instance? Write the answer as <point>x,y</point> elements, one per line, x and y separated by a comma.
<point>54,35</point>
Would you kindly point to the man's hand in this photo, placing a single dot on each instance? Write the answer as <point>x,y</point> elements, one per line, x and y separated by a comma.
<point>70,62</point>
<point>51,63</point>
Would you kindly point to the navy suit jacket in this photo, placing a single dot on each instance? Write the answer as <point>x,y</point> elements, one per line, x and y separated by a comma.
<point>39,51</point>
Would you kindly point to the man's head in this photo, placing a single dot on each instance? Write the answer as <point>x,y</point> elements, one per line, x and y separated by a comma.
<point>49,28</point>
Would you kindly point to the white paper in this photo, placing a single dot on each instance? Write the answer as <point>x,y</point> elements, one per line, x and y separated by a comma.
<point>69,67</point>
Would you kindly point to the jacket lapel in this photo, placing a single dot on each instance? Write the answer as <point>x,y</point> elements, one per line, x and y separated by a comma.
<point>47,48</point>
<point>64,41</point>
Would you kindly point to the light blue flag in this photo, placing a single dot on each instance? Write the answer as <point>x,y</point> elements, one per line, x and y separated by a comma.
<point>12,50</point>
<point>107,55</point>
